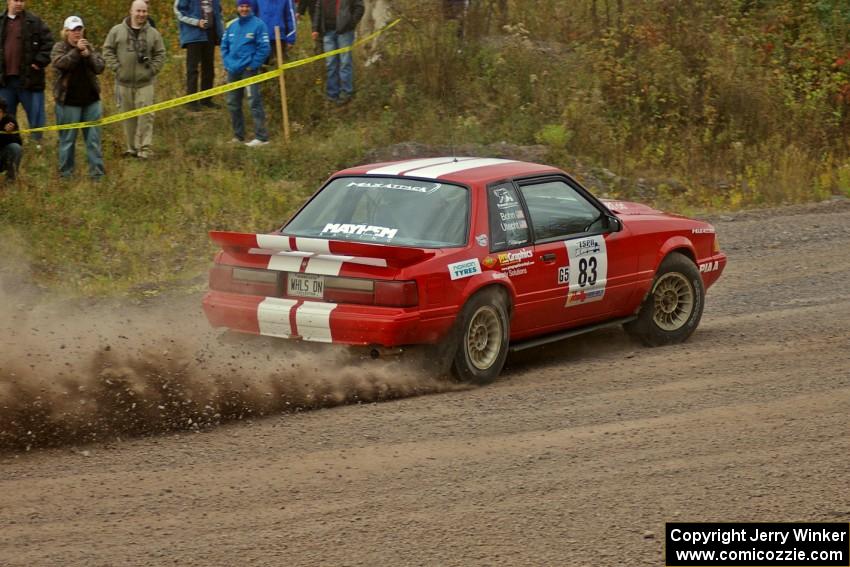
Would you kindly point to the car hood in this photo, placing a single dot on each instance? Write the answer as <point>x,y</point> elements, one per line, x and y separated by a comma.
<point>629,208</point>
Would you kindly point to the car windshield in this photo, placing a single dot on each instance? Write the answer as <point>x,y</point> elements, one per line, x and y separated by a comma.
<point>386,210</point>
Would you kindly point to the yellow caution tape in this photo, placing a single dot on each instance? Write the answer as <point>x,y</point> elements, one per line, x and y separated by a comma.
<point>209,92</point>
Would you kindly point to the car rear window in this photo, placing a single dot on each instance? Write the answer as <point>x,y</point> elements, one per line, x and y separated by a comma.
<point>386,210</point>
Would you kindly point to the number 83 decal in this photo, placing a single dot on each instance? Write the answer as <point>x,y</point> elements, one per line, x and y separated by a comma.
<point>588,259</point>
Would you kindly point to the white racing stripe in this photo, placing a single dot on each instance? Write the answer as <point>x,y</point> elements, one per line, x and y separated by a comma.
<point>398,168</point>
<point>285,262</point>
<point>315,245</point>
<point>313,320</point>
<point>329,264</point>
<point>273,317</point>
<point>362,260</point>
<point>324,266</point>
<point>436,171</point>
<point>273,242</point>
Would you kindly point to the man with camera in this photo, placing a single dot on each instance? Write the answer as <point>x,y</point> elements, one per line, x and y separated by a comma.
<point>135,52</point>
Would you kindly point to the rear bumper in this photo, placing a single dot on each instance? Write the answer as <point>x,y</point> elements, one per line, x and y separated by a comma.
<point>323,322</point>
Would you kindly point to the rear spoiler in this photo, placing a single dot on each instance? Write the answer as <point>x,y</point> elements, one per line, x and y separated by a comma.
<point>359,252</point>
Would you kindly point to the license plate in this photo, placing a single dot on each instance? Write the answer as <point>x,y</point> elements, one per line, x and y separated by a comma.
<point>305,285</point>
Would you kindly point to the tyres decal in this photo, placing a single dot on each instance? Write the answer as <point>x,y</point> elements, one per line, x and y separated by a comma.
<point>588,270</point>
<point>464,269</point>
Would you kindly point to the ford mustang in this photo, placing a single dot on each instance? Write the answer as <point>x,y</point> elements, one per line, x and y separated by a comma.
<point>471,257</point>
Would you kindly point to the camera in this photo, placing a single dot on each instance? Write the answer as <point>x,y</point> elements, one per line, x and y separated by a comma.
<point>142,58</point>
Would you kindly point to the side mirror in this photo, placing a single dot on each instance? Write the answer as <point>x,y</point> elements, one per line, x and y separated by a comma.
<point>614,224</point>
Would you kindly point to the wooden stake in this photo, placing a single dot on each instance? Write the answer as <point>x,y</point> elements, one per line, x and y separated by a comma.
<point>283,106</point>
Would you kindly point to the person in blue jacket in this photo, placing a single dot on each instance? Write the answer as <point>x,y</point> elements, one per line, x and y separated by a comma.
<point>244,48</point>
<point>201,28</point>
<point>280,13</point>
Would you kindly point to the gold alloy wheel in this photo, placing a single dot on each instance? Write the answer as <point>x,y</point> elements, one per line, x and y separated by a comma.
<point>674,301</point>
<point>484,337</point>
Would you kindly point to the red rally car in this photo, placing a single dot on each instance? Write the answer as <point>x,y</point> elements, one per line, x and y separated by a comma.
<point>473,256</point>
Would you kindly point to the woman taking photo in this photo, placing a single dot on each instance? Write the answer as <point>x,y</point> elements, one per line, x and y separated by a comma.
<point>77,95</point>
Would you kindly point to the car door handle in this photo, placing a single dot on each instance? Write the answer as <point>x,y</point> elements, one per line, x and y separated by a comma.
<point>550,257</point>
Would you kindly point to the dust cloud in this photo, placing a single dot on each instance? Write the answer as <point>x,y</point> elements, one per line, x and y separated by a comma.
<point>76,372</point>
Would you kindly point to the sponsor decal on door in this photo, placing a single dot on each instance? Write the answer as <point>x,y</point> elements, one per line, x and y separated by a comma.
<point>587,273</point>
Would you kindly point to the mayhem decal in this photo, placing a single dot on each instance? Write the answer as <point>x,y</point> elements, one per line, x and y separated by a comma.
<point>361,230</point>
<point>587,273</point>
<point>464,269</point>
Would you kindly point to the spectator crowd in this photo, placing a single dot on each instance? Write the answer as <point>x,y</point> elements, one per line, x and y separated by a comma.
<point>134,53</point>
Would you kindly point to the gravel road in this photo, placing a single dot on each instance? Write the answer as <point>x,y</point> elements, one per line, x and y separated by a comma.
<point>577,456</point>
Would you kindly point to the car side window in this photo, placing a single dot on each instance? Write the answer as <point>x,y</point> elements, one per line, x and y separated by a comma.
<point>508,226</point>
<point>556,209</point>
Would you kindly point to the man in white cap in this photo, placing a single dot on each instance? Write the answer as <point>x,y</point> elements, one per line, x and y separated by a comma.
<point>135,52</point>
<point>76,92</point>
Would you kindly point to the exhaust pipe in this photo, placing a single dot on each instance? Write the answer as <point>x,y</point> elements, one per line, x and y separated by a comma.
<point>382,352</point>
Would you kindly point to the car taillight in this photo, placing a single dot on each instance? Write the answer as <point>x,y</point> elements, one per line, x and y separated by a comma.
<point>250,281</point>
<point>396,294</point>
<point>349,290</point>
<point>370,292</point>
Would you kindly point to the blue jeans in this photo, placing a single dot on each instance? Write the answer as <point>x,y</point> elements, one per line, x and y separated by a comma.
<point>66,114</point>
<point>234,105</point>
<point>340,67</point>
<point>32,101</point>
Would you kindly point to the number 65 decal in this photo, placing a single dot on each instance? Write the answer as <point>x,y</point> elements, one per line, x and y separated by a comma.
<point>588,273</point>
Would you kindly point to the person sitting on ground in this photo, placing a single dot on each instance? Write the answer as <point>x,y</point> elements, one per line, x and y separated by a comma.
<point>77,95</point>
<point>244,48</point>
<point>11,145</point>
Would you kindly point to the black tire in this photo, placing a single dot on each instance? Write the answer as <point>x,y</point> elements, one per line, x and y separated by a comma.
<point>673,307</point>
<point>481,337</point>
